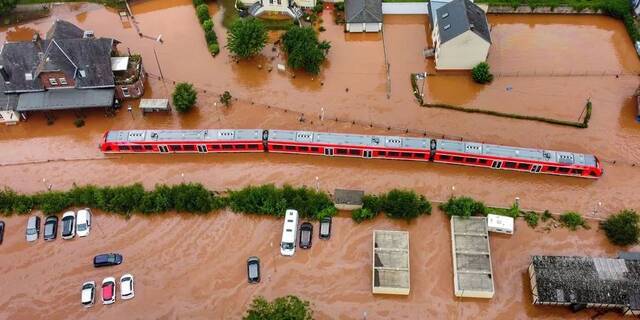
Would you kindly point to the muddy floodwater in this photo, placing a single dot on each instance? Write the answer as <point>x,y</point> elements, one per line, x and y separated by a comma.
<point>192,267</point>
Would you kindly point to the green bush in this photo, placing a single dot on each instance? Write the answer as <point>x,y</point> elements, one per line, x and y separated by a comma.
<point>532,219</point>
<point>463,207</point>
<point>196,3</point>
<point>78,122</point>
<point>405,204</point>
<point>283,308</point>
<point>304,50</point>
<point>546,215</point>
<point>210,37</point>
<point>363,214</point>
<point>246,37</point>
<point>622,228</point>
<point>573,220</point>
<point>481,73</point>
<point>214,49</point>
<point>373,203</point>
<point>184,97</point>
<point>207,25</point>
<point>202,11</point>
<point>52,202</point>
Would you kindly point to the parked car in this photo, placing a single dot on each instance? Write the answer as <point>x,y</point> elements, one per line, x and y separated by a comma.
<point>108,290</point>
<point>83,222</point>
<point>88,295</point>
<point>253,269</point>
<point>33,228</point>
<point>50,228</point>
<point>68,225</point>
<point>325,228</point>
<point>126,287</point>
<point>306,234</point>
<point>107,259</point>
<point>1,231</point>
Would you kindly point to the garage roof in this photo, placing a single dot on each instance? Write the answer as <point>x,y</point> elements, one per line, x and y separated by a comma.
<point>363,11</point>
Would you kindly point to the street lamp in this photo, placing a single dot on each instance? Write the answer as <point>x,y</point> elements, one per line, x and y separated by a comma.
<point>317,184</point>
<point>130,109</point>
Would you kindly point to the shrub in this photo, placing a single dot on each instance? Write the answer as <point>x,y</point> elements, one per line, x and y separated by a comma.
<point>481,73</point>
<point>198,2</point>
<point>363,214</point>
<point>283,308</point>
<point>531,218</point>
<point>202,11</point>
<point>184,97</point>
<point>52,202</point>
<point>546,215</point>
<point>404,204</point>
<point>318,7</point>
<point>463,207</point>
<point>158,200</point>
<point>572,220</point>
<point>194,198</point>
<point>246,37</point>
<point>513,211</point>
<point>207,25</point>
<point>225,98</point>
<point>304,50</point>
<point>339,6</point>
<point>622,228</point>
<point>210,36</point>
<point>373,203</point>
<point>78,122</point>
<point>214,49</point>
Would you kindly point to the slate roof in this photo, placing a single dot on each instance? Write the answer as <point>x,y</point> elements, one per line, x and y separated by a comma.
<point>65,99</point>
<point>363,11</point>
<point>64,30</point>
<point>461,16</point>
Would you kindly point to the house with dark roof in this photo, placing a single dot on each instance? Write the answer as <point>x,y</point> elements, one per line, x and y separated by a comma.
<point>461,35</point>
<point>69,69</point>
<point>363,15</point>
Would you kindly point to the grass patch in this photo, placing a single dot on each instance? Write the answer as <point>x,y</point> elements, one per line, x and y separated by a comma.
<point>573,220</point>
<point>532,219</point>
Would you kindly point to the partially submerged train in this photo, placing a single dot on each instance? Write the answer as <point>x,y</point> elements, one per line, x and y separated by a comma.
<point>353,145</point>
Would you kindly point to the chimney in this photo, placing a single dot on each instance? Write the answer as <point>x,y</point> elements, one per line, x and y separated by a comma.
<point>4,73</point>
<point>88,34</point>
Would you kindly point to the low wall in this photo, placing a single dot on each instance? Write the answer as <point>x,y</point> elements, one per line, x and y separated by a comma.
<point>405,8</point>
<point>32,7</point>
<point>540,10</point>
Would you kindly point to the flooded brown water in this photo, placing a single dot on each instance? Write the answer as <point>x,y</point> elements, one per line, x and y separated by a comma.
<point>34,151</point>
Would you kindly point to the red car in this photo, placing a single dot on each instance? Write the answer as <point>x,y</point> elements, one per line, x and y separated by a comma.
<point>109,290</point>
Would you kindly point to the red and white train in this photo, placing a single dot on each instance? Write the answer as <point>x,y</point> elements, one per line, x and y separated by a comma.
<point>353,145</point>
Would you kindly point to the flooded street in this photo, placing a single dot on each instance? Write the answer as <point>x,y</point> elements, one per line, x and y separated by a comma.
<point>193,266</point>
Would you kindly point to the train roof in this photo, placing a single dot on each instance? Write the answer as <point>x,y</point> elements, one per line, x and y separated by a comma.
<point>349,139</point>
<point>183,135</point>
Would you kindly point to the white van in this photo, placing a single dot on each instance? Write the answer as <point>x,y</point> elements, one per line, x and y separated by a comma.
<point>289,232</point>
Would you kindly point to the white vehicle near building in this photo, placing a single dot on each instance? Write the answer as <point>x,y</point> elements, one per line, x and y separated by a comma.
<point>499,224</point>
<point>126,287</point>
<point>83,222</point>
<point>289,232</point>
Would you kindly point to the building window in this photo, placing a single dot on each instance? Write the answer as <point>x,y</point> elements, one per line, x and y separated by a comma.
<point>447,27</point>
<point>446,14</point>
<point>125,92</point>
<point>63,81</point>
<point>53,82</point>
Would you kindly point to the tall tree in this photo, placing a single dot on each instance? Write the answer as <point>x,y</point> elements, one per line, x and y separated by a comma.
<point>184,97</point>
<point>283,308</point>
<point>6,6</point>
<point>246,37</point>
<point>304,50</point>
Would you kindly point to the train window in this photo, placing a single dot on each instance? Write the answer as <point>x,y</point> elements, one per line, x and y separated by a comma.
<point>215,146</point>
<point>290,147</point>
<point>136,148</point>
<point>252,146</point>
<point>304,149</point>
<point>509,164</point>
<point>445,157</point>
<point>148,147</point>
<point>418,155</point>
<point>354,152</point>
<point>577,171</point>
<point>551,168</point>
<point>123,148</point>
<point>227,146</point>
<point>175,147</point>
<point>470,160</point>
<point>315,149</point>
<point>341,151</point>
<point>188,147</point>
<point>524,166</point>
<point>393,154</point>
<point>241,146</point>
<point>382,153</point>
<point>563,170</point>
<point>406,154</point>
<point>482,161</point>
<point>277,147</point>
<point>457,158</point>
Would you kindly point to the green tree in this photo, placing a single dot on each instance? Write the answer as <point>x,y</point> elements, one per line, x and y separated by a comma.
<point>463,206</point>
<point>225,98</point>
<point>573,220</point>
<point>405,204</point>
<point>184,97</point>
<point>304,50</point>
<point>6,6</point>
<point>202,11</point>
<point>283,308</point>
<point>246,37</point>
<point>481,73</point>
<point>622,228</point>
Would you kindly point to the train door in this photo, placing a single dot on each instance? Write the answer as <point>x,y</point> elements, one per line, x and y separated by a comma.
<point>366,154</point>
<point>202,148</point>
<point>328,151</point>
<point>163,149</point>
<point>536,168</point>
<point>497,164</point>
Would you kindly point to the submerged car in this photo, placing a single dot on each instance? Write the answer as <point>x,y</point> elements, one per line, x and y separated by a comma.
<point>83,222</point>
<point>1,231</point>
<point>50,228</point>
<point>306,234</point>
<point>88,295</point>
<point>33,228</point>
<point>109,290</point>
<point>68,225</point>
<point>107,259</point>
<point>126,287</point>
<point>325,228</point>
<point>253,269</point>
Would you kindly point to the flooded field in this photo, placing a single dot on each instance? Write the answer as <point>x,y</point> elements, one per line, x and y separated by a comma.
<point>194,267</point>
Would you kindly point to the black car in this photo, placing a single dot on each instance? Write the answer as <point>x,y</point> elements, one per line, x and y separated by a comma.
<point>50,228</point>
<point>306,234</point>
<point>107,259</point>
<point>1,231</point>
<point>253,269</point>
<point>325,228</point>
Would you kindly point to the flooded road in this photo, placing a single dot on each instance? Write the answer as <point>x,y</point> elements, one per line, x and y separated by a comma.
<point>194,267</point>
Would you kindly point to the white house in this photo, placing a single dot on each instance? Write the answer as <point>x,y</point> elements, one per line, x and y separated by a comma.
<point>460,35</point>
<point>363,15</point>
<point>288,7</point>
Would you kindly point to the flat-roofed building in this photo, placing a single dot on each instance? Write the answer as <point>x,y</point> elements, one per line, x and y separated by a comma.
<point>472,272</point>
<point>346,199</point>
<point>391,271</point>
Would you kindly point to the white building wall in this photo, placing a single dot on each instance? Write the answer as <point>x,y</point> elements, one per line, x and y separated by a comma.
<point>461,53</point>
<point>405,8</point>
<point>364,27</point>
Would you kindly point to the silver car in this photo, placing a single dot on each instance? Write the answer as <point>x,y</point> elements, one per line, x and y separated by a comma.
<point>33,228</point>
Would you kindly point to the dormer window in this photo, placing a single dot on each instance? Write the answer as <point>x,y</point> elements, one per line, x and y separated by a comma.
<point>83,73</point>
<point>447,27</point>
<point>446,14</point>
<point>53,82</point>
<point>63,81</point>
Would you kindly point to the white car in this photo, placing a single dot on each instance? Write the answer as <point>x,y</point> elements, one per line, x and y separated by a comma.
<point>126,287</point>
<point>88,296</point>
<point>109,290</point>
<point>83,222</point>
<point>68,225</point>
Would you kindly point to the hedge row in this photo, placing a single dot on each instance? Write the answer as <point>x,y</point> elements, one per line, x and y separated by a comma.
<point>202,11</point>
<point>581,124</point>
<point>189,197</point>
<point>396,204</point>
